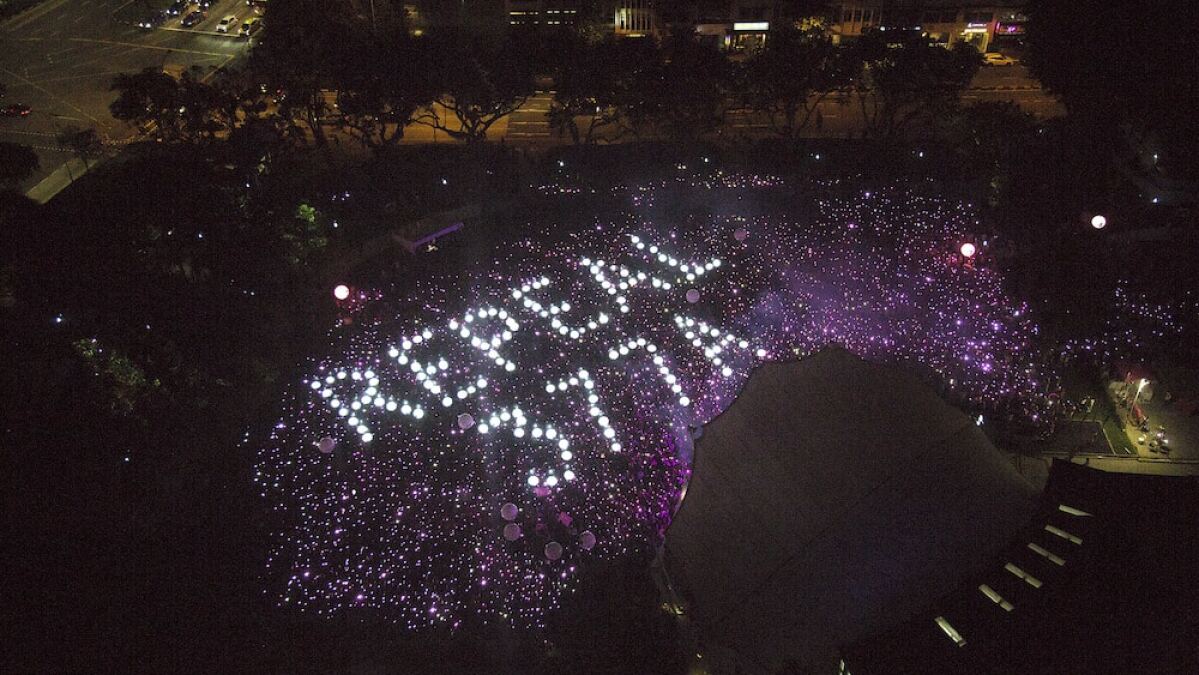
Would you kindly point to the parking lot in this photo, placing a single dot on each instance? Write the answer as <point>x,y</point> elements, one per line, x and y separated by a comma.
<point>213,15</point>
<point>60,57</point>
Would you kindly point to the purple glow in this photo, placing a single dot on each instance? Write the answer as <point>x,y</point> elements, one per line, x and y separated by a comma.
<point>582,366</point>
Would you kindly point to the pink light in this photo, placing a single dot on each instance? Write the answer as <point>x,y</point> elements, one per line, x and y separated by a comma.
<point>341,291</point>
<point>967,250</point>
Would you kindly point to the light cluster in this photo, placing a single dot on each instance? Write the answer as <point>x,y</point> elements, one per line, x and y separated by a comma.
<point>1139,325</point>
<point>463,462</point>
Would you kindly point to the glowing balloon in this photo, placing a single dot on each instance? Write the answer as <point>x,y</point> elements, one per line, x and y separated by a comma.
<point>587,540</point>
<point>341,291</point>
<point>512,532</point>
<point>693,296</point>
<point>967,250</point>
<point>1098,222</point>
<point>508,511</point>
<point>465,421</point>
<point>741,234</point>
<point>553,550</point>
<point>326,445</point>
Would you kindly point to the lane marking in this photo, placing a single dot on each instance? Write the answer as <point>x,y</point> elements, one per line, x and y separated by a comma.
<point>214,33</point>
<point>51,95</point>
<point>107,73</point>
<point>27,133</point>
<point>139,46</point>
<point>33,14</point>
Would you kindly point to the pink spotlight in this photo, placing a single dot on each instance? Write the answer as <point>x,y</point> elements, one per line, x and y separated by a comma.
<point>341,291</point>
<point>967,250</point>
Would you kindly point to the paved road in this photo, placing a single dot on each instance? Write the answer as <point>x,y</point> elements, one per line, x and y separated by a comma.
<point>60,57</point>
<point>529,123</point>
<point>838,120</point>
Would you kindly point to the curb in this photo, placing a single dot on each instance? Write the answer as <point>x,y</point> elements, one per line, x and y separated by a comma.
<point>1014,87</point>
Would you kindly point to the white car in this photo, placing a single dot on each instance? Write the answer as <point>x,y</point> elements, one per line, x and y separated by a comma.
<point>997,59</point>
<point>226,23</point>
<point>250,27</point>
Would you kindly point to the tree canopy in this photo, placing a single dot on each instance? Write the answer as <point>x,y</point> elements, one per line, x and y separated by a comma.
<point>17,163</point>
<point>1127,64</point>
<point>792,75</point>
<point>910,81</point>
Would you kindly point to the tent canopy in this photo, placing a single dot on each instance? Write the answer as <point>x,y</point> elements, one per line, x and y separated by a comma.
<point>832,499</point>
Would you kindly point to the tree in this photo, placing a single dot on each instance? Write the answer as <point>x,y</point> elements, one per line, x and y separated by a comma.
<point>991,140</point>
<point>83,143</point>
<point>791,76</point>
<point>183,109</point>
<point>681,94</point>
<point>591,82</point>
<point>237,98</point>
<point>304,236</point>
<point>382,83</point>
<point>17,163</point>
<point>1145,80</point>
<point>148,97</point>
<point>302,43</point>
<point>910,81</point>
<point>480,81</point>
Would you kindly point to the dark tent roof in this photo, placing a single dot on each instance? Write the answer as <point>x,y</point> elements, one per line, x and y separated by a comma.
<point>1118,598</point>
<point>833,499</point>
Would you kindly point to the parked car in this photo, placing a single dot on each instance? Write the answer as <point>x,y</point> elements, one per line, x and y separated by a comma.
<point>226,23</point>
<point>15,110</point>
<point>192,19</point>
<point>997,59</point>
<point>250,27</point>
<point>152,20</point>
<point>178,7</point>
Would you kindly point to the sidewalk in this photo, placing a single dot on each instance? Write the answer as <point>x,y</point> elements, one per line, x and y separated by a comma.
<point>1179,430</point>
<point>1152,467</point>
<point>57,181</point>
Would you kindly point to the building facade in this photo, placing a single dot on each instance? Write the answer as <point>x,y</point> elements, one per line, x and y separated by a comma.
<point>636,18</point>
<point>986,25</point>
<point>549,13</point>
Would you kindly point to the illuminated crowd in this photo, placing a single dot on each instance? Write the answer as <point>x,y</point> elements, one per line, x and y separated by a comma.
<point>467,457</point>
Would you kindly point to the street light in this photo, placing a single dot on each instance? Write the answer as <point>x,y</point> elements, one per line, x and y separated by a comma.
<point>1140,386</point>
<point>1098,222</point>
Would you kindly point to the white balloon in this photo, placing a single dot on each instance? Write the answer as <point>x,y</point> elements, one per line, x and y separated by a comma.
<point>508,511</point>
<point>693,296</point>
<point>326,444</point>
<point>512,532</point>
<point>553,550</point>
<point>587,540</point>
<point>465,421</point>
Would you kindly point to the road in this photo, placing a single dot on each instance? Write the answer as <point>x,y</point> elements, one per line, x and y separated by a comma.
<point>60,56</point>
<point>838,119</point>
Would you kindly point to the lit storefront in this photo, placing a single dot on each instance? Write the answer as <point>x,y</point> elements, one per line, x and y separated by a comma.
<point>749,35</point>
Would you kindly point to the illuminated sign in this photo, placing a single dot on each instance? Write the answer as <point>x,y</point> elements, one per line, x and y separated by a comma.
<point>752,25</point>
